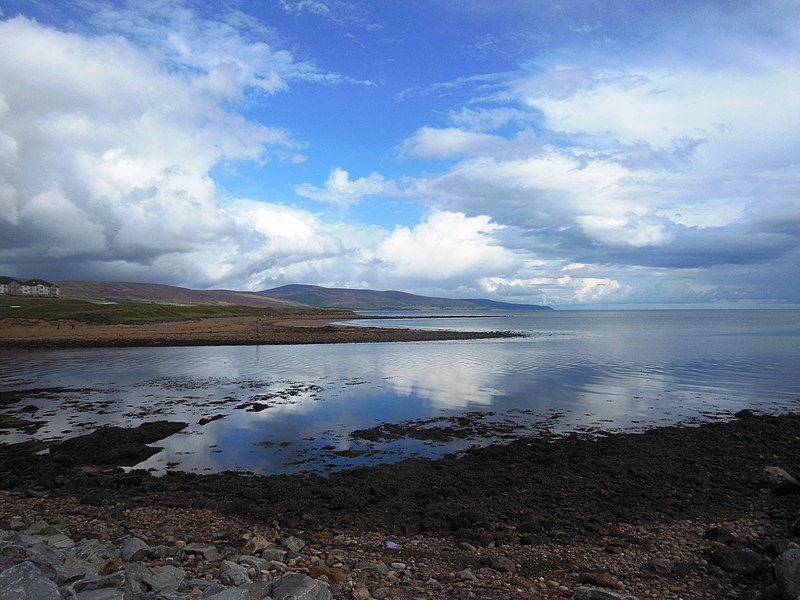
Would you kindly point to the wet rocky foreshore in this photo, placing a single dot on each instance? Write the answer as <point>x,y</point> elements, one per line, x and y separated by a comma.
<point>677,512</point>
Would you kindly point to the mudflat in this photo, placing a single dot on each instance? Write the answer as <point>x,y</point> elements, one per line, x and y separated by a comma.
<point>283,329</point>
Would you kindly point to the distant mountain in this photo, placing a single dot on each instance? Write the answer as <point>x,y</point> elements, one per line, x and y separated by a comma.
<point>119,291</point>
<point>340,298</point>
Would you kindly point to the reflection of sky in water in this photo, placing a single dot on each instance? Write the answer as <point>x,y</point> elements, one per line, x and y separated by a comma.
<point>611,370</point>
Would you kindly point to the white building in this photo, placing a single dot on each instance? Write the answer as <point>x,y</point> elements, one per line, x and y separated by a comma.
<point>9,286</point>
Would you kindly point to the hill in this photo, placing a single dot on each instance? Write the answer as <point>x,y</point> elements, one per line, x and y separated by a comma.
<point>125,292</point>
<point>359,299</point>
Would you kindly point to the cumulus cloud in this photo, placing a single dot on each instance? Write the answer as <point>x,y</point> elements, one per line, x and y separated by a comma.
<point>446,246</point>
<point>339,189</point>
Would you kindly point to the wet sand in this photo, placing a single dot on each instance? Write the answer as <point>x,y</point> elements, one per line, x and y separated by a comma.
<point>37,333</point>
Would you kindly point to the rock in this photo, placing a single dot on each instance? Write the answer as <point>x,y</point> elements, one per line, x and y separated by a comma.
<point>256,544</point>
<point>60,541</point>
<point>26,582</point>
<point>231,573</point>
<point>467,547</point>
<point>614,549</point>
<point>794,528</point>
<point>230,594</point>
<point>787,573</point>
<point>207,550</point>
<point>398,566</point>
<point>293,544</point>
<point>361,593</point>
<point>719,534</point>
<point>134,550</point>
<point>294,586</point>
<point>533,539</point>
<point>467,575</point>
<point>499,563</point>
<point>332,573</point>
<point>164,579</point>
<point>273,554</point>
<point>780,481</point>
<point>259,564</point>
<point>382,593</point>
<point>369,565</point>
<point>743,561</point>
<point>605,580</point>
<point>587,593</point>
<point>661,566</point>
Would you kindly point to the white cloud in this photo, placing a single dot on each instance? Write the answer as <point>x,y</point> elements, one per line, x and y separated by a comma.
<point>446,246</point>
<point>339,189</point>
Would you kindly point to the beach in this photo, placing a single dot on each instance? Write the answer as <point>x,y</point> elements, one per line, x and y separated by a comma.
<point>283,329</point>
<point>686,511</point>
<point>663,514</point>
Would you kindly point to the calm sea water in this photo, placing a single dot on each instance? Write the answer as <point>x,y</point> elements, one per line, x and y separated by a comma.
<point>584,370</point>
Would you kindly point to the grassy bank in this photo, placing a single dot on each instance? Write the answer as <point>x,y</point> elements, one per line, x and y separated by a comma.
<point>135,313</point>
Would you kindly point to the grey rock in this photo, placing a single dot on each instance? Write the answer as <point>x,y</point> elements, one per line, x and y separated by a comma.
<point>369,565</point>
<point>293,544</point>
<point>207,550</point>
<point>590,593</point>
<point>661,566</point>
<point>743,561</point>
<point>258,564</point>
<point>115,580</point>
<point>230,594</point>
<point>93,552</point>
<point>233,574</point>
<point>164,579</point>
<point>273,554</point>
<point>382,593</point>
<point>60,541</point>
<point>134,550</point>
<point>780,481</point>
<point>294,586</point>
<point>467,575</point>
<point>104,594</point>
<point>26,582</point>
<point>787,573</point>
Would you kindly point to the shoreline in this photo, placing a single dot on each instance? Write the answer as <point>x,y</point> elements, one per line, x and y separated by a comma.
<point>17,333</point>
<point>566,511</point>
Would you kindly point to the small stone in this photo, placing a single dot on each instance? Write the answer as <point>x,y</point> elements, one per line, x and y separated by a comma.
<point>332,573</point>
<point>361,594</point>
<point>467,546</point>
<point>467,575</point>
<point>398,566</point>
<point>614,549</point>
<point>604,580</point>
<point>295,585</point>
<point>207,550</point>
<point>587,593</point>
<point>382,593</point>
<point>368,565</point>
<point>60,541</point>
<point>293,544</point>
<point>661,566</point>
<point>273,554</point>
<point>502,564</point>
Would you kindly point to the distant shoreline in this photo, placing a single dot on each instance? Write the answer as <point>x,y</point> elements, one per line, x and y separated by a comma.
<point>225,331</point>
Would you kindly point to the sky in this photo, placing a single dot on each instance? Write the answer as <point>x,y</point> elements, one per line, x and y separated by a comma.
<point>577,153</point>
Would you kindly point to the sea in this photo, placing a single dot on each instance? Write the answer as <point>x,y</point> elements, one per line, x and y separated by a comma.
<point>305,408</point>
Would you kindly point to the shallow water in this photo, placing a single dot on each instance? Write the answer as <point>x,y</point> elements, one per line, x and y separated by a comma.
<point>610,370</point>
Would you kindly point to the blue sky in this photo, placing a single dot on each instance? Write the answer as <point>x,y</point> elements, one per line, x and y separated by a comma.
<point>574,153</point>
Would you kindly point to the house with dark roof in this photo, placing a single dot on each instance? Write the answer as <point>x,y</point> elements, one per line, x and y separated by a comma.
<point>10,286</point>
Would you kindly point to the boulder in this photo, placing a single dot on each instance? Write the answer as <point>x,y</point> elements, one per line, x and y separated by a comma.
<point>780,481</point>
<point>743,561</point>
<point>787,573</point>
<point>26,582</point>
<point>134,550</point>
